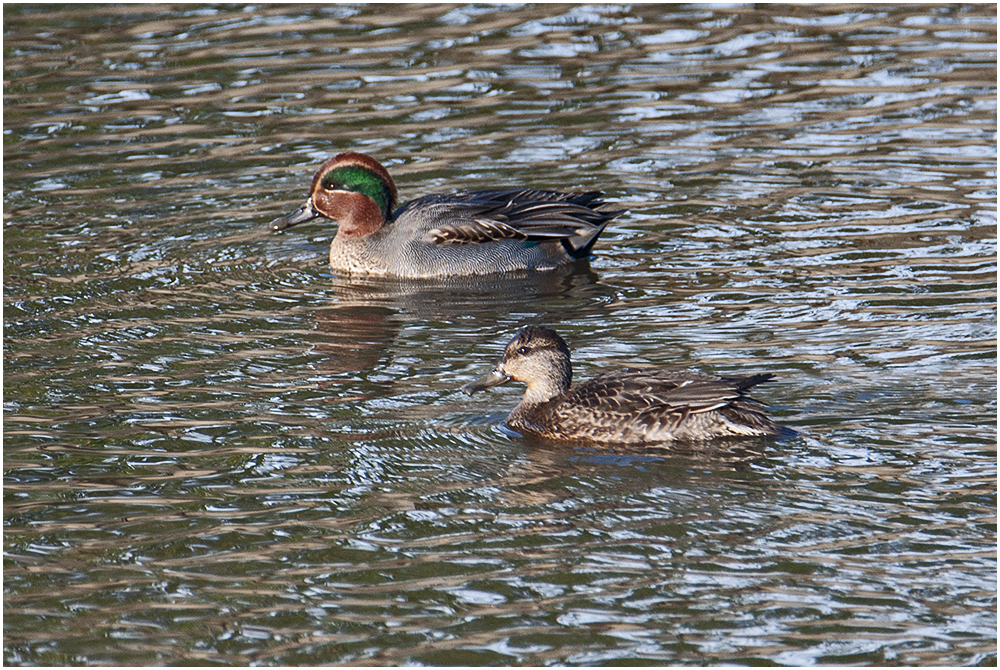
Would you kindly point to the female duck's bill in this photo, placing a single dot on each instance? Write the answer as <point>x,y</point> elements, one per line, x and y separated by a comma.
<point>630,405</point>
<point>493,378</point>
<point>464,233</point>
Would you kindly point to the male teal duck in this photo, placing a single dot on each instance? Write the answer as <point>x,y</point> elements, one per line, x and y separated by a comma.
<point>628,406</point>
<point>466,233</point>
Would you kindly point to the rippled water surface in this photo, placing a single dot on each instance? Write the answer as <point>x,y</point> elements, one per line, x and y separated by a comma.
<point>217,452</point>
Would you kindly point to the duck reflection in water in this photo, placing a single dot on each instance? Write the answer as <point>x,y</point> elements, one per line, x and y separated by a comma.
<point>362,320</point>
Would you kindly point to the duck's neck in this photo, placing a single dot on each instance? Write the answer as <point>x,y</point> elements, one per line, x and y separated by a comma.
<point>357,255</point>
<point>552,385</point>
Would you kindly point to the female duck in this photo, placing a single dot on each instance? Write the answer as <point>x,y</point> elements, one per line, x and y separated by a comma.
<point>468,233</point>
<point>626,406</point>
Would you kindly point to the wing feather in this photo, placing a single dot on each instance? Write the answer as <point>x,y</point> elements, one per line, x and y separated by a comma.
<point>531,215</point>
<point>655,392</point>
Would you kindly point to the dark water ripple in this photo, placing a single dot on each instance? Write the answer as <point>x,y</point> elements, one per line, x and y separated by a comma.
<point>215,452</point>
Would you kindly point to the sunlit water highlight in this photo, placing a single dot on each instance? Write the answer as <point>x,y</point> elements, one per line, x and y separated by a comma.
<point>216,452</point>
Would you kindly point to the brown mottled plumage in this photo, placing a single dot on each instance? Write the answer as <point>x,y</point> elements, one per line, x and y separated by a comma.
<point>626,406</point>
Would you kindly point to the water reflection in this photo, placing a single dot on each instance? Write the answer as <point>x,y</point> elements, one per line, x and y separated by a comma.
<point>215,452</point>
<point>366,314</point>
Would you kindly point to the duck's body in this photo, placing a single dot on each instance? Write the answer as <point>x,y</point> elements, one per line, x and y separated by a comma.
<point>628,406</point>
<point>467,233</point>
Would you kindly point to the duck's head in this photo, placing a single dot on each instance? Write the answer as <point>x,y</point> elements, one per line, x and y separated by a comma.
<point>352,189</point>
<point>536,356</point>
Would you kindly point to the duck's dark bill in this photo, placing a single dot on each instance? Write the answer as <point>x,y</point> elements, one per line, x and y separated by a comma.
<point>304,213</point>
<point>494,378</point>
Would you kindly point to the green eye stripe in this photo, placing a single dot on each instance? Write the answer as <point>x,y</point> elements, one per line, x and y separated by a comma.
<point>360,180</point>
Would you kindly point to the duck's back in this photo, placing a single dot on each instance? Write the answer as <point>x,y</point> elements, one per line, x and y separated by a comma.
<point>639,405</point>
<point>478,232</point>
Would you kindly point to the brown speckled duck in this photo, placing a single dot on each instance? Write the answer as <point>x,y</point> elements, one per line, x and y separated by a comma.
<point>464,233</point>
<point>628,406</point>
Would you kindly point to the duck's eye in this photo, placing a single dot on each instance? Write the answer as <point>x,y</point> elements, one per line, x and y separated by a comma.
<point>523,351</point>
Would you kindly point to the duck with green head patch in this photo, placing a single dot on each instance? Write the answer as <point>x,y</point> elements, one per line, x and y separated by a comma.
<point>465,233</point>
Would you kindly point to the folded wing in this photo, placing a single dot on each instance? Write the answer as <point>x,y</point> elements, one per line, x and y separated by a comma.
<point>530,215</point>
